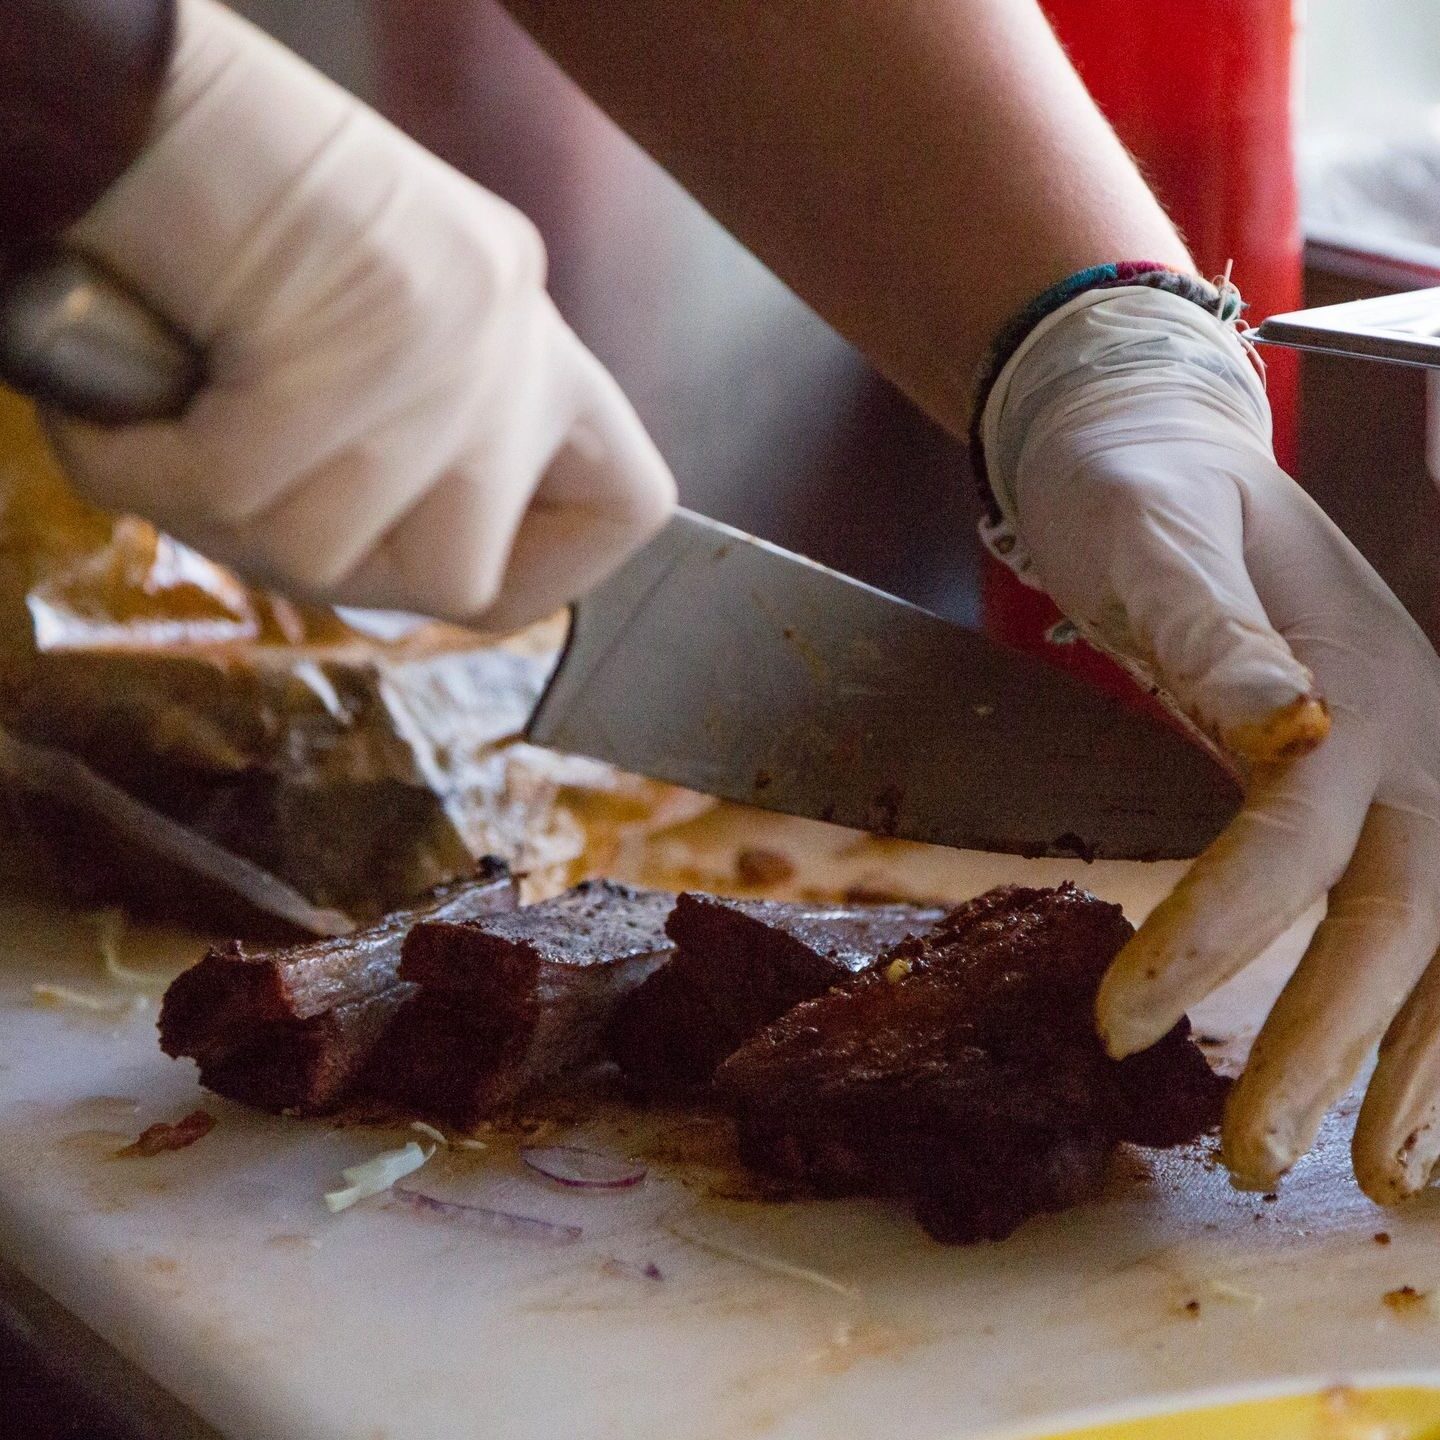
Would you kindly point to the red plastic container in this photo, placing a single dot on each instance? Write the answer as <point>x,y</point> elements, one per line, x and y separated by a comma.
<point>1203,95</point>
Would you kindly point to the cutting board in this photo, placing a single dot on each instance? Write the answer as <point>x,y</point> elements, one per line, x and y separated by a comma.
<point>218,1272</point>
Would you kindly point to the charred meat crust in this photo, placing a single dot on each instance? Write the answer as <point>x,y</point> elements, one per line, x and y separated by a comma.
<point>969,1076</point>
<point>739,964</point>
<point>508,1002</point>
<point>292,1028</point>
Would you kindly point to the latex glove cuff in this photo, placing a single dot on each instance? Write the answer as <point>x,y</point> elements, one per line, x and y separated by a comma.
<point>1013,350</point>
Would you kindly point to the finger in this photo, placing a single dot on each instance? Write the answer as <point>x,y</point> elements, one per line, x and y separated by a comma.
<point>1397,1137</point>
<point>446,557</point>
<point>1380,931</point>
<point>606,493</point>
<point>424,524</point>
<point>144,470</point>
<point>1284,850</point>
<point>1175,556</point>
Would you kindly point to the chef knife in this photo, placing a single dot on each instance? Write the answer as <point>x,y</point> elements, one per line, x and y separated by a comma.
<point>1403,329</point>
<point>725,664</point>
<point>728,665</point>
<point>711,659</point>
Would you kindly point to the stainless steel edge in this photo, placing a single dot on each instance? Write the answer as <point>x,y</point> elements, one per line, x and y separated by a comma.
<point>719,662</point>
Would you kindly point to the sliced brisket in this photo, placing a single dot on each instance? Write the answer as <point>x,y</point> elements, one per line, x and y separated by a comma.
<point>739,964</point>
<point>510,1001</point>
<point>291,1029</point>
<point>964,1071</point>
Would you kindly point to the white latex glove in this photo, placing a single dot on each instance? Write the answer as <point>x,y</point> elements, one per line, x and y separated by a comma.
<point>396,414</point>
<point>1129,440</point>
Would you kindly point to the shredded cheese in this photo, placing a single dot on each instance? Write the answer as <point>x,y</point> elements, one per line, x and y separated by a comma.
<point>441,1138</point>
<point>110,931</point>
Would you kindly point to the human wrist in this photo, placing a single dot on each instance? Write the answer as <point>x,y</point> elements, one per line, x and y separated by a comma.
<point>1147,338</point>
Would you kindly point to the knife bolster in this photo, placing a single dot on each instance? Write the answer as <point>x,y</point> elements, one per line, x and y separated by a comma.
<point>81,81</point>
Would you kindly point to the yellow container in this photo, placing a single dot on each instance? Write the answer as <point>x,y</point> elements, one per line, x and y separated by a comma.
<point>1341,1412</point>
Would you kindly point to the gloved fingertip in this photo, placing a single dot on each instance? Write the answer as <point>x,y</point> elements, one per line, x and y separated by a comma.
<point>1257,1157</point>
<point>1125,1022</point>
<point>1391,1169</point>
<point>1294,729</point>
<point>1391,1182</point>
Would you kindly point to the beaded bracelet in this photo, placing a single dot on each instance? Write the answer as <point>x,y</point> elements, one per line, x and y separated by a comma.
<point>1220,299</point>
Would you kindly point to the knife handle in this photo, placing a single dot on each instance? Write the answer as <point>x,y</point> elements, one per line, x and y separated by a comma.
<point>75,339</point>
<point>81,81</point>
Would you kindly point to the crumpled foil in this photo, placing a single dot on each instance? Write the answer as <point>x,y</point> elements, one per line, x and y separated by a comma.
<point>173,739</point>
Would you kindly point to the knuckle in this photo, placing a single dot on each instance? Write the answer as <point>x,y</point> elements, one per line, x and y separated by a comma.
<point>458,592</point>
<point>504,254</point>
<point>649,499</point>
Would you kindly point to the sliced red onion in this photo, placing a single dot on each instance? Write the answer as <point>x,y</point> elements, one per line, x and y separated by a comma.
<point>582,1169</point>
<point>630,1269</point>
<point>483,1218</point>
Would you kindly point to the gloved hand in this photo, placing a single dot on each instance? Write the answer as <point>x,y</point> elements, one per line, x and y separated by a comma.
<point>396,415</point>
<point>1129,443</point>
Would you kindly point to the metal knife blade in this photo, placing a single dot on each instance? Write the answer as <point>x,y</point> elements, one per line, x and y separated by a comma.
<point>1403,329</point>
<point>730,666</point>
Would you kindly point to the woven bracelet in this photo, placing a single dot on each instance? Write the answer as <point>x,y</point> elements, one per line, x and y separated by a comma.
<point>1220,300</point>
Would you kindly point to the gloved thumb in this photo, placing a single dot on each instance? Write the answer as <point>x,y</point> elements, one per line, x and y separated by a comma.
<point>1178,599</point>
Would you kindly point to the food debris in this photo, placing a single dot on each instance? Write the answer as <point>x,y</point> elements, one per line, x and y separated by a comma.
<point>581,1169</point>
<point>483,1217</point>
<point>1407,1300</point>
<point>897,970</point>
<point>754,866</point>
<point>449,1142</point>
<point>610,1265</point>
<point>376,1175</point>
<point>771,1264</point>
<point>110,934</point>
<point>159,1138</point>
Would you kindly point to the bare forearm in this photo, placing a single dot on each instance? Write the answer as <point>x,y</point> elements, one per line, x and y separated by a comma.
<point>915,169</point>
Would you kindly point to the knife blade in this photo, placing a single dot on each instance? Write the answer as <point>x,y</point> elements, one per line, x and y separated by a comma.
<point>730,666</point>
<point>1403,329</point>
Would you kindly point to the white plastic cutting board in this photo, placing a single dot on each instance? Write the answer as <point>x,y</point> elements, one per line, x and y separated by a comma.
<point>219,1273</point>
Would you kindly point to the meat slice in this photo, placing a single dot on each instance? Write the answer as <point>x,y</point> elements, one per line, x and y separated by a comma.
<point>739,964</point>
<point>292,1029</point>
<point>507,1002</point>
<point>964,1071</point>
